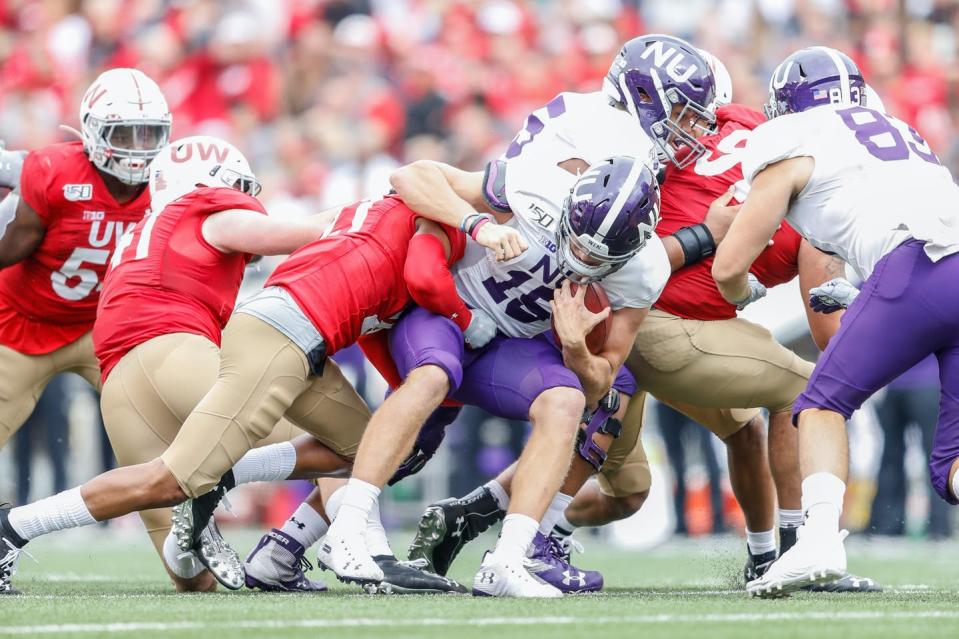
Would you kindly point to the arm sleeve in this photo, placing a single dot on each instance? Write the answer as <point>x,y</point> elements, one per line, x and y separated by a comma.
<point>430,282</point>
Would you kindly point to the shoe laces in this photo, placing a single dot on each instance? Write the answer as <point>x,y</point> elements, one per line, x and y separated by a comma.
<point>416,564</point>
<point>556,551</point>
<point>567,546</point>
<point>303,564</point>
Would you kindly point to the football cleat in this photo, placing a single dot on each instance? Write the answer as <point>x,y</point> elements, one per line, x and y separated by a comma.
<point>279,564</point>
<point>510,579</point>
<point>817,557</point>
<point>548,563</point>
<point>757,565</point>
<point>208,545</point>
<point>450,524</point>
<point>192,516</point>
<point>348,558</point>
<point>846,583</point>
<point>10,549</point>
<point>410,578</point>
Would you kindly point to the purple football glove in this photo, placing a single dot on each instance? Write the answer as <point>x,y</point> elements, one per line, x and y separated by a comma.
<point>832,296</point>
<point>427,443</point>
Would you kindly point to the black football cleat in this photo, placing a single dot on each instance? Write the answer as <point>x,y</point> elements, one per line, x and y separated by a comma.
<point>757,565</point>
<point>10,544</point>
<point>450,524</point>
<point>410,578</point>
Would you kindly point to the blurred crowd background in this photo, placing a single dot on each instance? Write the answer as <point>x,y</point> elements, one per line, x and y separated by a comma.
<point>326,97</point>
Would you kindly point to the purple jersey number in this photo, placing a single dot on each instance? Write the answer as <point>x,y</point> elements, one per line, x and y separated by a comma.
<point>525,308</point>
<point>534,125</point>
<point>867,131</point>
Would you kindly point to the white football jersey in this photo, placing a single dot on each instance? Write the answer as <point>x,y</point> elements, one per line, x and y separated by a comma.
<point>517,293</point>
<point>875,183</point>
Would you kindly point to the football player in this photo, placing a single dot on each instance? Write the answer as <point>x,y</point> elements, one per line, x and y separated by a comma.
<point>75,200</point>
<point>839,172</point>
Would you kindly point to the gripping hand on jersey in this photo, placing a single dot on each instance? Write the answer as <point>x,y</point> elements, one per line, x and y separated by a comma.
<point>834,295</point>
<point>505,241</point>
<point>481,329</point>
<point>756,292</point>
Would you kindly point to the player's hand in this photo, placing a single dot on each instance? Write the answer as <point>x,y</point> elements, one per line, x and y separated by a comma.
<point>572,321</point>
<point>834,295</point>
<point>756,292</point>
<point>481,329</point>
<point>720,214</point>
<point>505,241</point>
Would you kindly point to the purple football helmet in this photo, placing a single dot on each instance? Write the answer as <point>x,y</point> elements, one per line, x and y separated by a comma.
<point>813,77</point>
<point>651,75</point>
<point>609,215</point>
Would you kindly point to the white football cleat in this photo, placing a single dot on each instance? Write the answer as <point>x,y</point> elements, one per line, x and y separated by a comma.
<point>348,558</point>
<point>816,558</point>
<point>510,579</point>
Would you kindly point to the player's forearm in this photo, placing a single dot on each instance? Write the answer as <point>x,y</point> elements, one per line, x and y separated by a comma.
<point>594,372</point>
<point>426,189</point>
<point>430,282</point>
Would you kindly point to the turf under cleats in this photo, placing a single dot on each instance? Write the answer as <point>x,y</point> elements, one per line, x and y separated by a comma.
<point>10,544</point>
<point>818,557</point>
<point>348,558</point>
<point>279,564</point>
<point>757,565</point>
<point>410,578</point>
<point>510,578</point>
<point>450,524</point>
<point>547,562</point>
<point>208,545</point>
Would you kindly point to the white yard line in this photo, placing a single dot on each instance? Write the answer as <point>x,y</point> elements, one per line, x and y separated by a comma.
<point>491,621</point>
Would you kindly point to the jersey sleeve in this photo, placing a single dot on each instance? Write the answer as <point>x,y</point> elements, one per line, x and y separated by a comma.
<point>778,139</point>
<point>430,281</point>
<point>35,183</point>
<point>640,283</point>
<point>223,199</point>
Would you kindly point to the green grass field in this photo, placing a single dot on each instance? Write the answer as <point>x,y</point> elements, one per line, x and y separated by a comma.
<point>95,584</point>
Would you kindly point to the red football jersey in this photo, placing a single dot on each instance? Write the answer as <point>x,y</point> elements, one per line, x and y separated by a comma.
<point>686,195</point>
<point>350,281</point>
<point>50,299</point>
<point>165,278</point>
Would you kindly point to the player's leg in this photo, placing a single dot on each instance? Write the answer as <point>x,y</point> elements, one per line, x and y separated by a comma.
<point>944,458</point>
<point>22,380</point>
<point>428,351</point>
<point>903,295</point>
<point>144,401</point>
<point>519,378</point>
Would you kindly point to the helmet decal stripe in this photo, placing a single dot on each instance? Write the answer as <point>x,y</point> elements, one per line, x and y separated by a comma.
<point>136,84</point>
<point>635,173</point>
<point>843,73</point>
<point>624,88</point>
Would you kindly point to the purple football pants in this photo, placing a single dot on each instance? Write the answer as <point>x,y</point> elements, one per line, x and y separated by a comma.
<point>906,310</point>
<point>503,378</point>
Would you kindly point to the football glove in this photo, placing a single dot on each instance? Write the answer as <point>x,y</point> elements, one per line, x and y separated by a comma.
<point>481,329</point>
<point>834,295</point>
<point>427,442</point>
<point>756,292</point>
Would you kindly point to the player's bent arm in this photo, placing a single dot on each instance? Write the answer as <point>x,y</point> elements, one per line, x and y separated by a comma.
<point>441,192</point>
<point>815,268</point>
<point>598,372</point>
<point>245,231</point>
<point>428,277</point>
<point>22,234</point>
<point>691,244</point>
<point>445,194</point>
<point>754,225</point>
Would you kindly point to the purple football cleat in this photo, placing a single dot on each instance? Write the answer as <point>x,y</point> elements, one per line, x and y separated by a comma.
<point>547,563</point>
<point>278,563</point>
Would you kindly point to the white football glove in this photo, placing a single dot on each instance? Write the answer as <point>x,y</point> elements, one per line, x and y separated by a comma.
<point>834,295</point>
<point>480,331</point>
<point>756,292</point>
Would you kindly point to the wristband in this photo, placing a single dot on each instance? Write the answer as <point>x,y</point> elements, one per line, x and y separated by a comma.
<point>697,243</point>
<point>472,222</point>
<point>476,227</point>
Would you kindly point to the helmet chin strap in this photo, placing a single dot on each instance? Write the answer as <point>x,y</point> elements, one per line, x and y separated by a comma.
<point>70,129</point>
